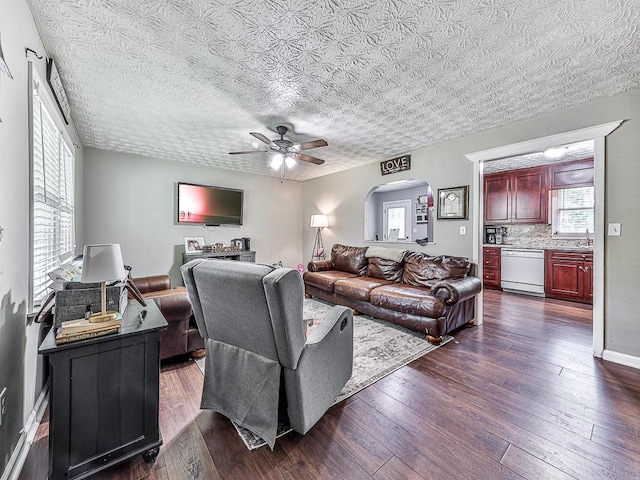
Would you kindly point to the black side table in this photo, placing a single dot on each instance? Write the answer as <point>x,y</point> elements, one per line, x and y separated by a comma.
<point>104,396</point>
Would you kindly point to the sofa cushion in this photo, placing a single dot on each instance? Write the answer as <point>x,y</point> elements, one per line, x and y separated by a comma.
<point>425,271</point>
<point>349,259</point>
<point>407,299</point>
<point>358,287</point>
<point>326,280</point>
<point>385,269</point>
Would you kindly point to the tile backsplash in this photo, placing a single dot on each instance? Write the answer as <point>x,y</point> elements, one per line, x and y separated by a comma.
<point>538,236</point>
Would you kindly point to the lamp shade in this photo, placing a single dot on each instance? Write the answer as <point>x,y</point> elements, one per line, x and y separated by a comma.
<point>319,221</point>
<point>102,263</point>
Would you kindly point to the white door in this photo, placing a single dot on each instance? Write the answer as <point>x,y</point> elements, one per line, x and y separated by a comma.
<point>396,215</point>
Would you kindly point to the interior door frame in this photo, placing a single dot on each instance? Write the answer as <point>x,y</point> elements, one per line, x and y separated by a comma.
<point>597,133</point>
<point>404,203</point>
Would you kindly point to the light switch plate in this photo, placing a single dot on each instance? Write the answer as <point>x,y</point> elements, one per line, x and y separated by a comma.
<point>463,230</point>
<point>615,229</point>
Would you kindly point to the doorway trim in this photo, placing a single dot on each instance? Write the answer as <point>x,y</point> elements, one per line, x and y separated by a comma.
<point>597,133</point>
<point>406,205</point>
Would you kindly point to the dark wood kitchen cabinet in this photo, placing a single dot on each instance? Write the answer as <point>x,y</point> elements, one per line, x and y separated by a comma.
<point>491,267</point>
<point>497,198</point>
<point>571,174</point>
<point>516,196</point>
<point>569,275</point>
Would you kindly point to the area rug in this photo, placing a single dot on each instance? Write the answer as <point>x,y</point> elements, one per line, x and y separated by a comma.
<point>379,348</point>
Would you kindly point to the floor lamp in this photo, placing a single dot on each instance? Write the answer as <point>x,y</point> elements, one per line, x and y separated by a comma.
<point>319,222</point>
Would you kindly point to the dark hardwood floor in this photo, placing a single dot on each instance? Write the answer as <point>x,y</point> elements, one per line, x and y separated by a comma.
<point>518,397</point>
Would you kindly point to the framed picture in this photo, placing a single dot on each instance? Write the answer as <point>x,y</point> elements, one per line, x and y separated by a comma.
<point>236,243</point>
<point>193,245</point>
<point>453,203</point>
<point>393,234</point>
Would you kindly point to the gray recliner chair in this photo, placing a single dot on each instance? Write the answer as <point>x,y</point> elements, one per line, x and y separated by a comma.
<point>258,357</point>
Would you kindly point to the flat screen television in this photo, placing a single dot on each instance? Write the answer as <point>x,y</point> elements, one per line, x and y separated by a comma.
<point>204,204</point>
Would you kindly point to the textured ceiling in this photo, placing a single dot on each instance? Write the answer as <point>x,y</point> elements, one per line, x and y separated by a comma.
<point>572,152</point>
<point>188,80</point>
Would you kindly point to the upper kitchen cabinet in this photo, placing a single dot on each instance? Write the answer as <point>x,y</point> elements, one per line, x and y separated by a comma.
<point>497,198</point>
<point>517,196</point>
<point>571,175</point>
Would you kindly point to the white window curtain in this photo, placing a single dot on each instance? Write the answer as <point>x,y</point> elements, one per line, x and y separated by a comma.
<point>53,239</point>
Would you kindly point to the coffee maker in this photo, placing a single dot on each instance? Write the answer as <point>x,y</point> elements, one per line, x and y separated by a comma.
<point>494,235</point>
<point>490,235</point>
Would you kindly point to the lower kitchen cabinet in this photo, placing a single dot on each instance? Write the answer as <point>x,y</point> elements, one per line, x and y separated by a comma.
<point>491,267</point>
<point>569,275</point>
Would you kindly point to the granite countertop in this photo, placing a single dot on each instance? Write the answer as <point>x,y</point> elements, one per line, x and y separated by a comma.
<point>531,247</point>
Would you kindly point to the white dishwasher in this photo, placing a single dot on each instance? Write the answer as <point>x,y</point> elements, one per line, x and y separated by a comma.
<point>522,271</point>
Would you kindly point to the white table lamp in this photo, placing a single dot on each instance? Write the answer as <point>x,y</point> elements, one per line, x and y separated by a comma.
<point>102,264</point>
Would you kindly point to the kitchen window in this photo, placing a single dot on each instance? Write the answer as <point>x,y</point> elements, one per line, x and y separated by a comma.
<point>572,211</point>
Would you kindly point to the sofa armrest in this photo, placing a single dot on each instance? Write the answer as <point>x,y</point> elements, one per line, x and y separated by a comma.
<point>320,266</point>
<point>174,305</point>
<point>337,314</point>
<point>457,289</point>
<point>152,283</point>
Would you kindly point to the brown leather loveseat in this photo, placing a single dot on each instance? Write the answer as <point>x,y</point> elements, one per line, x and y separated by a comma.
<point>432,294</point>
<point>181,335</point>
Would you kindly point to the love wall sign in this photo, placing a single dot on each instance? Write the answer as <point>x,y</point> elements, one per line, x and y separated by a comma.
<point>396,165</point>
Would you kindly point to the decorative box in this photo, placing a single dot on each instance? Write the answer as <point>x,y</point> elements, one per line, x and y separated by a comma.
<point>71,303</point>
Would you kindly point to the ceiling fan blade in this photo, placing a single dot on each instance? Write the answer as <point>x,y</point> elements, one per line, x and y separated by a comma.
<point>250,151</point>
<point>261,137</point>
<point>313,144</point>
<point>307,158</point>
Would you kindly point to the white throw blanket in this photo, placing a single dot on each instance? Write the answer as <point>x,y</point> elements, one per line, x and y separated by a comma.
<point>394,254</point>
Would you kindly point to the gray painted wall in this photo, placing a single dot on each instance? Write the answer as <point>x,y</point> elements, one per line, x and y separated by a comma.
<point>131,200</point>
<point>19,363</point>
<point>341,196</point>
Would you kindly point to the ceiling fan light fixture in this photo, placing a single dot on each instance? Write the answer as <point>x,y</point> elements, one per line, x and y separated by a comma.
<point>290,161</point>
<point>276,161</point>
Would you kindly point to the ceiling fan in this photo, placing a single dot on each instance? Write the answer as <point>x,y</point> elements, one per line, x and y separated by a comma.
<point>286,149</point>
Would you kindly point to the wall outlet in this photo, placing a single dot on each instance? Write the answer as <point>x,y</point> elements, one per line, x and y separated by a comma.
<point>463,230</point>
<point>615,229</point>
<point>3,404</point>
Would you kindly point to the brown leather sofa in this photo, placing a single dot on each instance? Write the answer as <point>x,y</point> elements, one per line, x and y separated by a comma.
<point>181,335</point>
<point>432,294</point>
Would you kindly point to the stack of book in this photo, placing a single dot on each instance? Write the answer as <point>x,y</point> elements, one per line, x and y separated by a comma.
<point>74,330</point>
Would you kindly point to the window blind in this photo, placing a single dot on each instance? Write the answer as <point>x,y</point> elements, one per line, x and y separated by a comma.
<point>53,200</point>
<point>573,212</point>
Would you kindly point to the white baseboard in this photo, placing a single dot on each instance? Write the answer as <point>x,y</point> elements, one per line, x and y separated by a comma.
<point>621,358</point>
<point>28,433</point>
